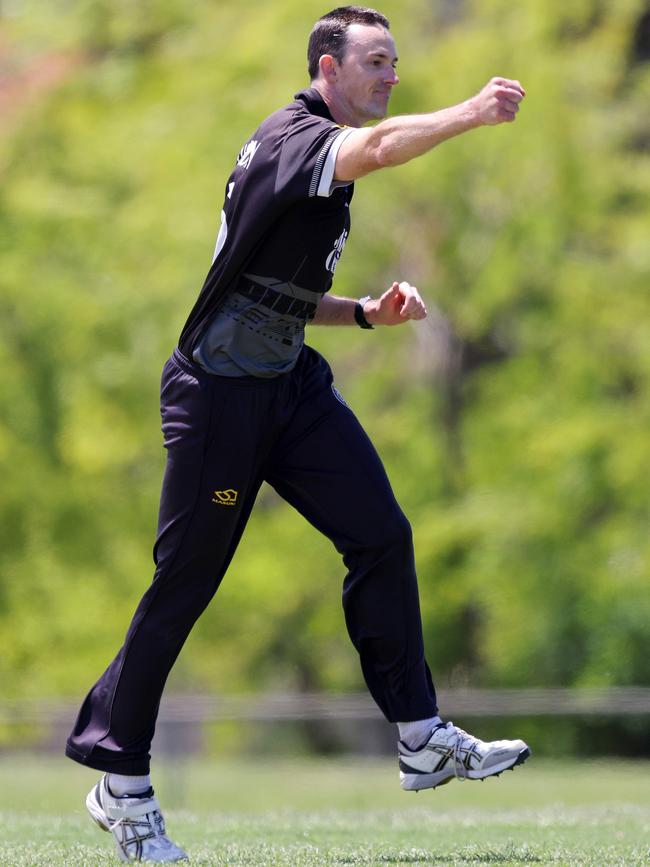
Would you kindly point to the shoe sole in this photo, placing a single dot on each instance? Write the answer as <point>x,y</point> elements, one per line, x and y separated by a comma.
<point>416,782</point>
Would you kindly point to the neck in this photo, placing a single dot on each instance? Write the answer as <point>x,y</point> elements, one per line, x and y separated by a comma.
<point>342,113</point>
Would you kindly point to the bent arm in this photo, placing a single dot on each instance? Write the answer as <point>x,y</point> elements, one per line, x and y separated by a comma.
<point>399,139</point>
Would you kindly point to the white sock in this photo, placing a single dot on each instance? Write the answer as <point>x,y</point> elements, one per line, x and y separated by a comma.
<point>120,784</point>
<point>414,734</point>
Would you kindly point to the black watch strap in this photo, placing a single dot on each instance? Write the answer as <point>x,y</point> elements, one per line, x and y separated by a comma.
<point>359,317</point>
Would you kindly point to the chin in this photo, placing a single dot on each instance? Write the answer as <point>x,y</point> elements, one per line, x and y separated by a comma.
<point>376,111</point>
<point>380,109</point>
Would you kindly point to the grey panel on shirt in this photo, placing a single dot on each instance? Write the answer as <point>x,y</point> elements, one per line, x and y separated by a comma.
<point>259,329</point>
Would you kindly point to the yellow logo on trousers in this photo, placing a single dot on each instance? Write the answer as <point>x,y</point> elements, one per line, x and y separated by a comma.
<point>225,498</point>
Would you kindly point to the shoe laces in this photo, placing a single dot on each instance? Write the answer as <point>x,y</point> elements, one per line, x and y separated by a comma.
<point>463,742</point>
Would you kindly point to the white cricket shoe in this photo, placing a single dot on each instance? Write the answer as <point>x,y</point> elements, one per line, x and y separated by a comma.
<point>451,752</point>
<point>136,823</point>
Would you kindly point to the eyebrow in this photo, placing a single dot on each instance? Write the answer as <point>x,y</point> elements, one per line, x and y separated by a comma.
<point>383,55</point>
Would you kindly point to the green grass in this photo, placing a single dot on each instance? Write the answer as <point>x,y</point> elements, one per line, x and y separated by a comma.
<point>342,812</point>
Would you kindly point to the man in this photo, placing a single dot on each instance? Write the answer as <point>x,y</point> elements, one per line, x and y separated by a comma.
<point>242,358</point>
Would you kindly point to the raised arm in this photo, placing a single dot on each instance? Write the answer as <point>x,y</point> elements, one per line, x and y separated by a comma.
<point>399,139</point>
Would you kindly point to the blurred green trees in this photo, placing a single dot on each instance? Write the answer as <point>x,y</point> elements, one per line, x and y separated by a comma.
<point>514,423</point>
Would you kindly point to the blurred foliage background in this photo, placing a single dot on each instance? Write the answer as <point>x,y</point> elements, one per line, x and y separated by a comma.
<point>513,423</point>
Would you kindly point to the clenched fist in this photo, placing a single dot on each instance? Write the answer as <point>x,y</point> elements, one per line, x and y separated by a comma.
<point>398,304</point>
<point>499,100</point>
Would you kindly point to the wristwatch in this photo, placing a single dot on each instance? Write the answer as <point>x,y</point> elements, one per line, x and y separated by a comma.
<point>359,317</point>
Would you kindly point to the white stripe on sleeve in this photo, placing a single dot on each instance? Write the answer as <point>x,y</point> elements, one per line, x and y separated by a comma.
<point>325,186</point>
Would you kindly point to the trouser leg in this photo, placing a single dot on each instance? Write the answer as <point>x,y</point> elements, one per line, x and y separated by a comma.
<point>211,480</point>
<point>327,468</point>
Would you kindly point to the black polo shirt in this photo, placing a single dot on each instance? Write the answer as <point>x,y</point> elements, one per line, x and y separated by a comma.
<point>284,219</point>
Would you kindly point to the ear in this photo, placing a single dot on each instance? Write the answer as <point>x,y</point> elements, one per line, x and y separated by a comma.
<point>328,67</point>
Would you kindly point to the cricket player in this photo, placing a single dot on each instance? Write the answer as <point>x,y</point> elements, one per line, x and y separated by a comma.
<point>245,400</point>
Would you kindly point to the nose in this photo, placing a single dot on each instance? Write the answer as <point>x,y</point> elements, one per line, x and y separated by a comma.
<point>393,77</point>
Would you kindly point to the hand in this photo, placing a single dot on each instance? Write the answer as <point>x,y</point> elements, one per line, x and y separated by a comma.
<point>397,305</point>
<point>499,100</point>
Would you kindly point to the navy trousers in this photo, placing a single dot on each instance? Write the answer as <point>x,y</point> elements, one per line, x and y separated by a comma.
<point>224,437</point>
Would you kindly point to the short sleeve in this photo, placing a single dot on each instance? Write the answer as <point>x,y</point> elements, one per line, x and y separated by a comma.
<point>308,158</point>
<point>327,182</point>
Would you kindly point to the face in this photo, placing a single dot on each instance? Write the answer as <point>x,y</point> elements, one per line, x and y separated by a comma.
<point>366,76</point>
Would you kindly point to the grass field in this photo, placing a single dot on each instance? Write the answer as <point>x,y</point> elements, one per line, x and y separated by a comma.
<point>343,812</point>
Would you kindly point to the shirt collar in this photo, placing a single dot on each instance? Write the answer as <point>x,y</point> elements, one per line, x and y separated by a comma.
<point>314,102</point>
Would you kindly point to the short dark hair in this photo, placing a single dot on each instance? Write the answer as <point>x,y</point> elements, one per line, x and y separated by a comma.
<point>329,34</point>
